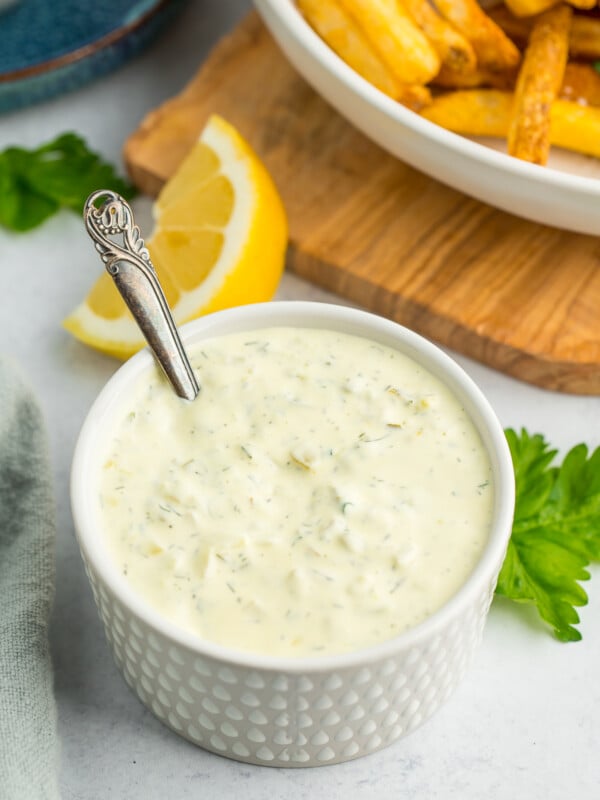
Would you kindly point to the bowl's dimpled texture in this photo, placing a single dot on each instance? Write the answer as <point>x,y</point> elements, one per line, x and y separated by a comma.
<point>288,719</point>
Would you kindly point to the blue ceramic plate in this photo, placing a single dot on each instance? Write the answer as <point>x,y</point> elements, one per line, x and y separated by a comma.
<point>52,46</point>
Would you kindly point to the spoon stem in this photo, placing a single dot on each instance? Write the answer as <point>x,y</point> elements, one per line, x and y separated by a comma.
<point>130,267</point>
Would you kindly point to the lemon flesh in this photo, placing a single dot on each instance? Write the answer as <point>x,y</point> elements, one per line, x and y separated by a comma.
<point>219,241</point>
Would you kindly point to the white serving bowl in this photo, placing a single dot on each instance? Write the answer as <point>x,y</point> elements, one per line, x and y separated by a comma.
<point>288,711</point>
<point>564,194</point>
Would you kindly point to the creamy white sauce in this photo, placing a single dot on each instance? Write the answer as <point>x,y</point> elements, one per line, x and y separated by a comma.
<point>322,494</point>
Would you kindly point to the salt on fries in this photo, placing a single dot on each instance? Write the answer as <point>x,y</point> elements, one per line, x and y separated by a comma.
<point>581,84</point>
<point>503,72</point>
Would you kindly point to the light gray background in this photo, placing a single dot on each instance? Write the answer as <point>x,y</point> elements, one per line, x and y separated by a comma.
<point>525,722</point>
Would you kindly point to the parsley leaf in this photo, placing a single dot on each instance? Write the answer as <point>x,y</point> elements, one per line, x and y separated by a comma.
<point>34,184</point>
<point>556,530</point>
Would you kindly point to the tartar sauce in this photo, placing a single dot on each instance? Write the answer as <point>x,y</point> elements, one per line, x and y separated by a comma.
<point>322,494</point>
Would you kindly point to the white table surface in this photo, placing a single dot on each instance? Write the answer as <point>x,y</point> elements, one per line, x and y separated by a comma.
<point>524,724</point>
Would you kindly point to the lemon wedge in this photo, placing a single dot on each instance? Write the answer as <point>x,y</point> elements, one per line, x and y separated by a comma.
<point>219,240</point>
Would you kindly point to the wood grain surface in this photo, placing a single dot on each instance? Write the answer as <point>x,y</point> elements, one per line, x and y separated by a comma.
<point>518,296</point>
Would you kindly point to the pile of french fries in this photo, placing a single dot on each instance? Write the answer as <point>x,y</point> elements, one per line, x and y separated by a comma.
<point>526,71</point>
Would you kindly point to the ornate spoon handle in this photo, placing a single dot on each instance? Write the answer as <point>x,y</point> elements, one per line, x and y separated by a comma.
<point>131,269</point>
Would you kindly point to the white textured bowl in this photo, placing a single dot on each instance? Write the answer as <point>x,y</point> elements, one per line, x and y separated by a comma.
<point>286,711</point>
<point>565,194</point>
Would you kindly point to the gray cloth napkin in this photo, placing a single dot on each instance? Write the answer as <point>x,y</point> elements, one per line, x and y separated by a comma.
<point>28,741</point>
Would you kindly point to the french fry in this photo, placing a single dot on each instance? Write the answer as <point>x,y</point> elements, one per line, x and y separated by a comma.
<point>475,112</point>
<point>493,48</point>
<point>486,112</point>
<point>399,46</point>
<point>346,39</point>
<point>584,38</point>
<point>584,41</point>
<point>540,78</point>
<point>414,96</point>
<point>395,37</point>
<point>336,28</point>
<point>455,51</point>
<point>576,127</point>
<point>528,8</point>
<point>449,79</point>
<point>517,27</point>
<point>581,84</point>
<point>583,4</point>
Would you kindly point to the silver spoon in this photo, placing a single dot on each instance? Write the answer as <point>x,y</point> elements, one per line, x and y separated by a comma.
<point>129,265</point>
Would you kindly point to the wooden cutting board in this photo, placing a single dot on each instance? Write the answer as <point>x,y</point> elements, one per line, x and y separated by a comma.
<point>518,296</point>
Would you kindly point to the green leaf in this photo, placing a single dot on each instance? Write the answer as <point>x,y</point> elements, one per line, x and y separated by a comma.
<point>34,184</point>
<point>534,480</point>
<point>556,530</point>
<point>20,207</point>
